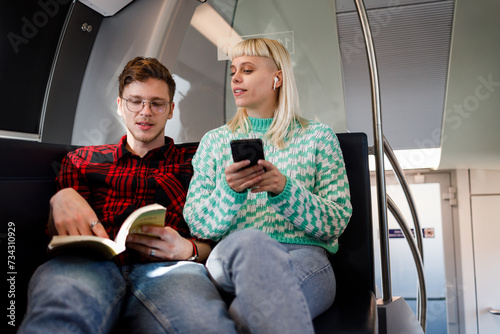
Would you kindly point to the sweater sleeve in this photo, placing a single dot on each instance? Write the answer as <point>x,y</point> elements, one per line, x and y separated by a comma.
<point>211,204</point>
<point>324,212</point>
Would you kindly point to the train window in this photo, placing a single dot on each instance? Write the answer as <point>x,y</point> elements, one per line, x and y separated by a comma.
<point>30,33</point>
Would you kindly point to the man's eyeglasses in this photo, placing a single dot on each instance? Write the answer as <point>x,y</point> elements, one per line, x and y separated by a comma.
<point>136,105</point>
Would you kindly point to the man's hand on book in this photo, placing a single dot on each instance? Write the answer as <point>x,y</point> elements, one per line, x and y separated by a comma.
<point>169,245</point>
<point>70,214</point>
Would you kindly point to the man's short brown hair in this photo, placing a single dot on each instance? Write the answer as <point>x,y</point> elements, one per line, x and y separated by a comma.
<point>141,69</point>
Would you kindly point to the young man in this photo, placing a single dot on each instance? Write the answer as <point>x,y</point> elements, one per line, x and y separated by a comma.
<point>154,286</point>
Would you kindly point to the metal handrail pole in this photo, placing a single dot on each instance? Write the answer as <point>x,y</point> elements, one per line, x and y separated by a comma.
<point>379,151</point>
<point>416,257</point>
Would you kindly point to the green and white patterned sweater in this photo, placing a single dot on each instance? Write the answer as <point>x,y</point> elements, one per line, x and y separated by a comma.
<point>313,209</point>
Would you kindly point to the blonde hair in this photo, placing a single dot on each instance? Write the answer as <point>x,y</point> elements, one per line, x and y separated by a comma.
<point>286,114</point>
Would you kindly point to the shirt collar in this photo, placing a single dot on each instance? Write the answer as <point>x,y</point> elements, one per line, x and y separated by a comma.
<point>121,149</point>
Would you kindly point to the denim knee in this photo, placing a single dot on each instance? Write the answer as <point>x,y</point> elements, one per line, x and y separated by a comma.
<point>78,272</point>
<point>250,241</point>
<point>175,297</point>
<point>74,292</point>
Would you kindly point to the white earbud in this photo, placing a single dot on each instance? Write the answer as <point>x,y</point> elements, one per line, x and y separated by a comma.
<point>275,81</point>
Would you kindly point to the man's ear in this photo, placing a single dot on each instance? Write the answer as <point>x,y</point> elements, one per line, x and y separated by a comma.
<point>171,114</point>
<point>119,106</point>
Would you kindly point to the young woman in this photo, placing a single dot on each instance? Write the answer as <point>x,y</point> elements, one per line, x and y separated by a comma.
<point>276,221</point>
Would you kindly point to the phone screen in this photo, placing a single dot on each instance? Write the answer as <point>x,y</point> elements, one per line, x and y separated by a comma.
<point>247,149</point>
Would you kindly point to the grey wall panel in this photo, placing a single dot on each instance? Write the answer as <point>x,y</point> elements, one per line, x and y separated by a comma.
<point>67,74</point>
<point>152,28</point>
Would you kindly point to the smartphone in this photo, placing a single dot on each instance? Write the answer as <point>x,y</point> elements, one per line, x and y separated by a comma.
<point>247,149</point>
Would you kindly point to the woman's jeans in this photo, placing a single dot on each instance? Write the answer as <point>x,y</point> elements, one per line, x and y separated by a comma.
<point>278,288</point>
<point>79,295</point>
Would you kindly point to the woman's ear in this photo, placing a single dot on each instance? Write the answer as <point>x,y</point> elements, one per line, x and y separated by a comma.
<point>278,79</point>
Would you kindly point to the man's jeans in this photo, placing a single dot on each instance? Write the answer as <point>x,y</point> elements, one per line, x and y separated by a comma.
<point>278,288</point>
<point>79,295</point>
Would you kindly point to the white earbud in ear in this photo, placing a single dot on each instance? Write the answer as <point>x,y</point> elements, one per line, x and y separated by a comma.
<point>275,81</point>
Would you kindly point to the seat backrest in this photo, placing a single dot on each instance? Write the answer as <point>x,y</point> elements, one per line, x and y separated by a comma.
<point>27,174</point>
<point>353,263</point>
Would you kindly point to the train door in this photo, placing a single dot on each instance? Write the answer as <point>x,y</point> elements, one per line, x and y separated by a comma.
<point>434,198</point>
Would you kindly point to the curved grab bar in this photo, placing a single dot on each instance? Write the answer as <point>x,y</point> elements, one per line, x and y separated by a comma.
<point>409,198</point>
<point>416,257</point>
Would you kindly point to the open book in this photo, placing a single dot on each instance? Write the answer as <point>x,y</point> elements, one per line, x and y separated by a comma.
<point>153,214</point>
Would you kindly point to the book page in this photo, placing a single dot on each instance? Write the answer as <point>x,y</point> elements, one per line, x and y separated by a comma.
<point>153,214</point>
<point>93,244</point>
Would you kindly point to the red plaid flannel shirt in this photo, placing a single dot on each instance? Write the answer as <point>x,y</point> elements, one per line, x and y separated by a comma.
<point>115,182</point>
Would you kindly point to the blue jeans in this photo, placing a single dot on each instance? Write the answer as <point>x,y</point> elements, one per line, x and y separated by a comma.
<point>80,295</point>
<point>277,288</point>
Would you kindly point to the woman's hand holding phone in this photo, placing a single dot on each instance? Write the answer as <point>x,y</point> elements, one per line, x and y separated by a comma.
<point>251,170</point>
<point>241,177</point>
<point>271,181</point>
